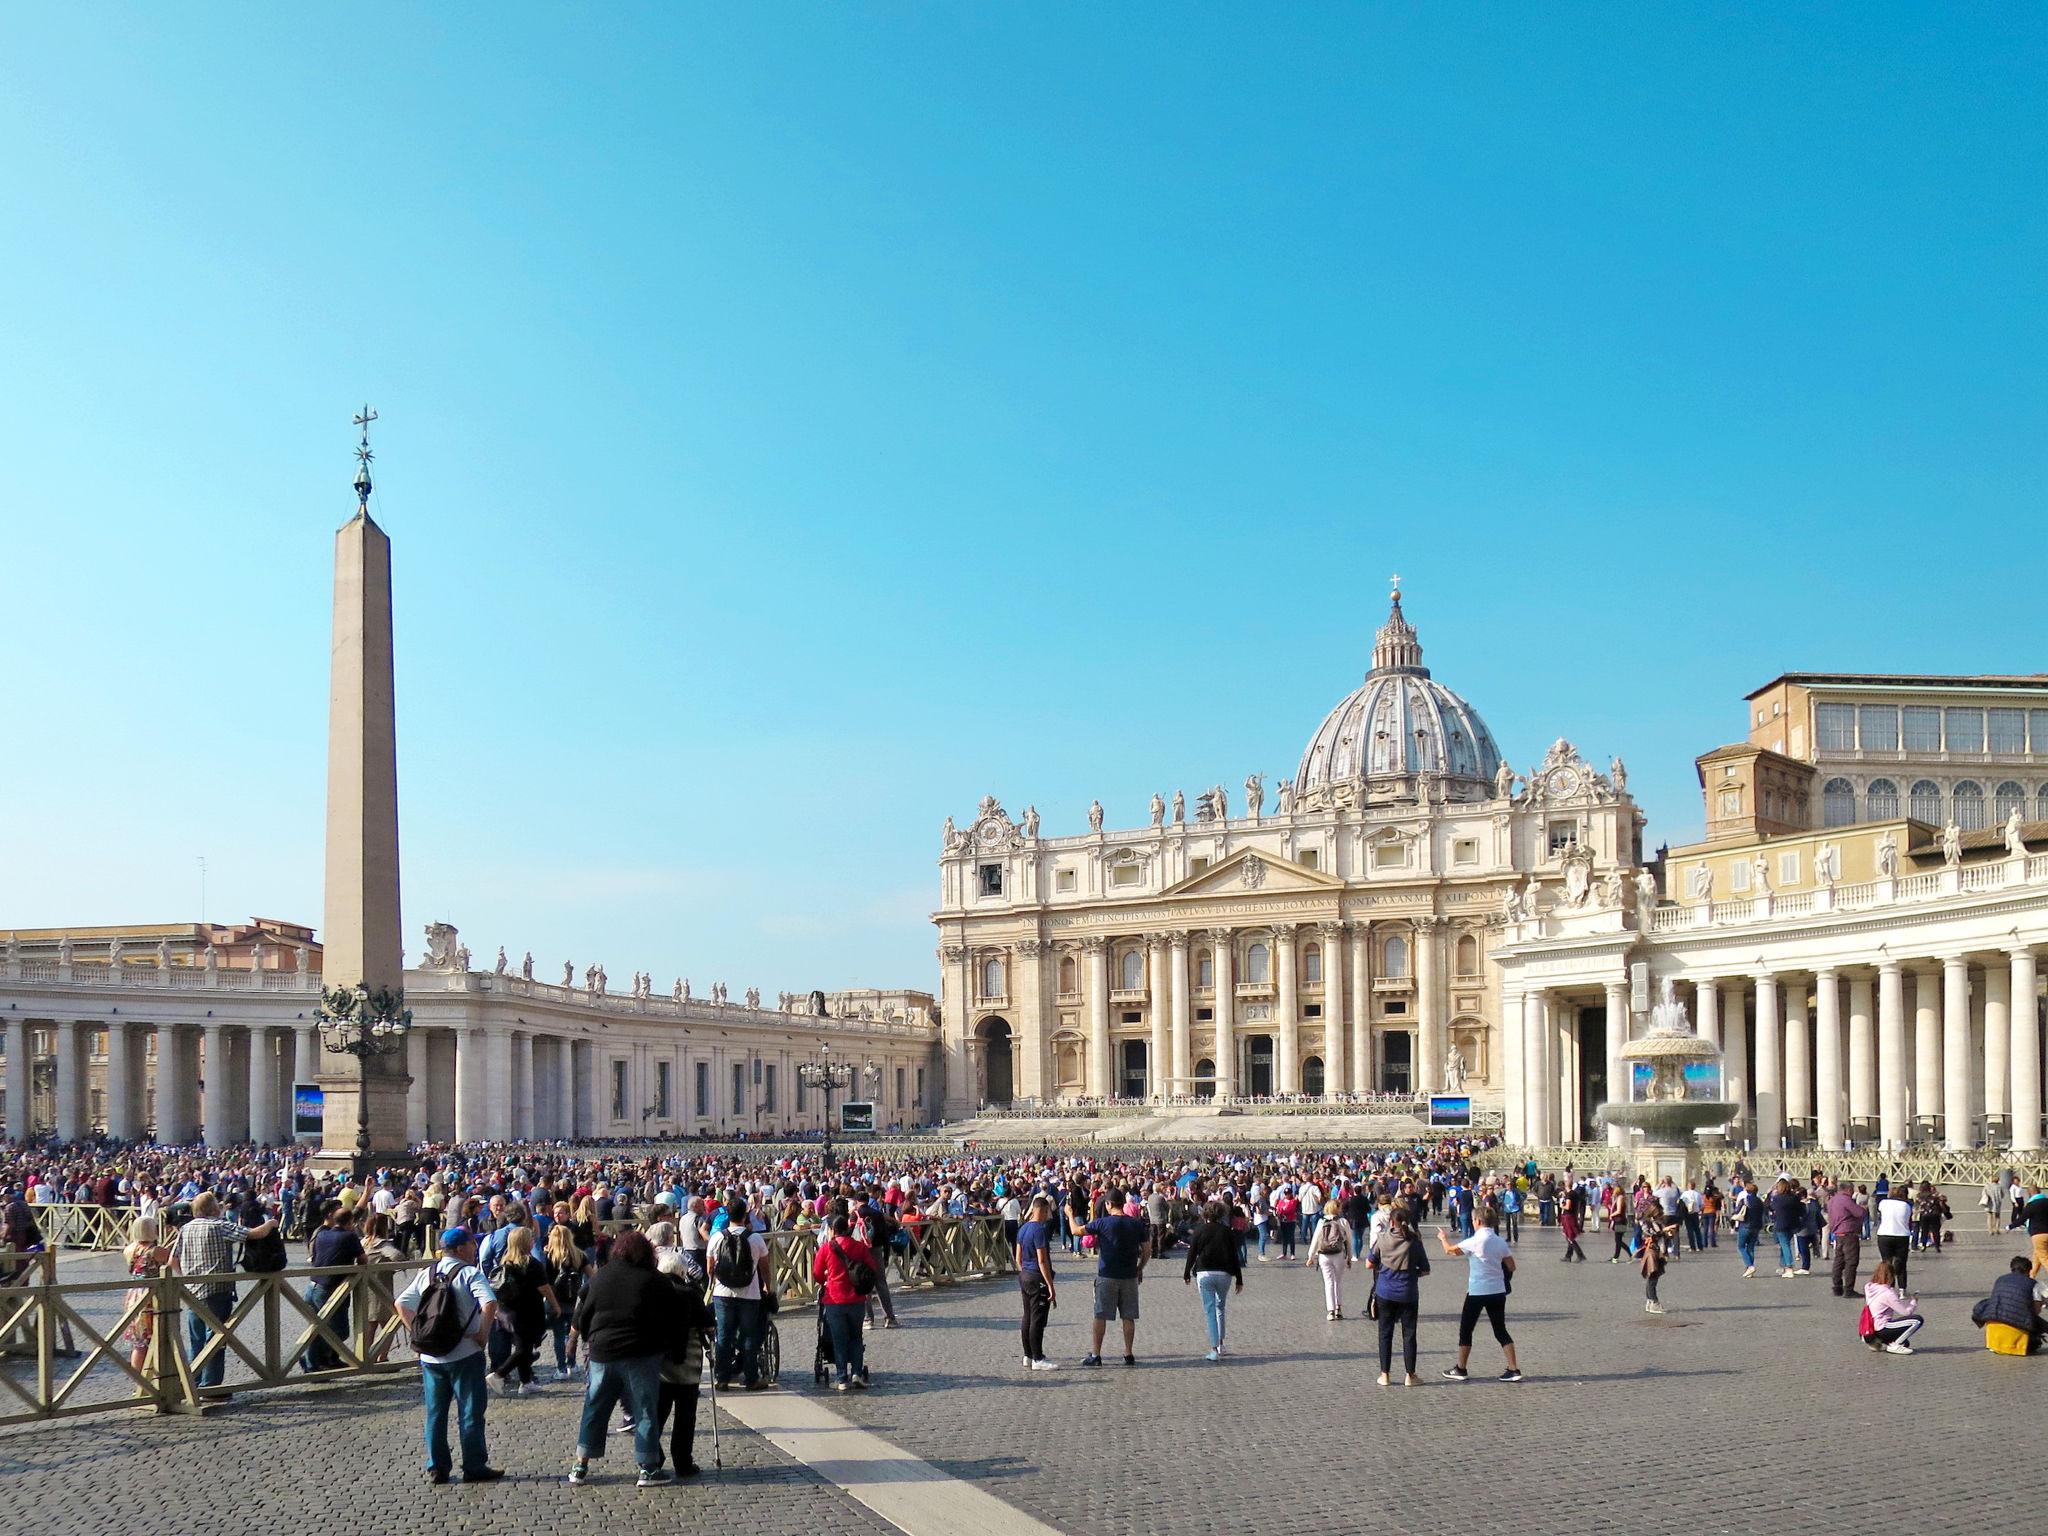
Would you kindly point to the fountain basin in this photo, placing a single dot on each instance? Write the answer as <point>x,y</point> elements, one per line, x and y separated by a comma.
<point>1670,1122</point>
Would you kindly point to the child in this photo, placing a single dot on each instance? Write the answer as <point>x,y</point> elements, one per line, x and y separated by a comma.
<point>1656,1241</point>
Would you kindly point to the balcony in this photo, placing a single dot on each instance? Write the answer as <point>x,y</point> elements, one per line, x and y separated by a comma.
<point>1127,994</point>
<point>999,1000</point>
<point>1393,986</point>
<point>1254,991</point>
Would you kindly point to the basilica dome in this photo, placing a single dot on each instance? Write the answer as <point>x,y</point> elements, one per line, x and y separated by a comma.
<point>1398,722</point>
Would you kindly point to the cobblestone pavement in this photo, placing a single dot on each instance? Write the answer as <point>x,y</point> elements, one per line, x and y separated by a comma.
<point>1751,1401</point>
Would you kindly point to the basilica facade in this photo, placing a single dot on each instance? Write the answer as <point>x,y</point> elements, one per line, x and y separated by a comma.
<point>1335,943</point>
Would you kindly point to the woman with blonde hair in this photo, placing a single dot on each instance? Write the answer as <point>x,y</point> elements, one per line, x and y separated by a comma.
<point>144,1255</point>
<point>568,1268</point>
<point>524,1297</point>
<point>1330,1251</point>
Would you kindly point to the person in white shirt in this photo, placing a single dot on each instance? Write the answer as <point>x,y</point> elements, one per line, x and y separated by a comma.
<point>1895,1232</point>
<point>1489,1262</point>
<point>737,1308</point>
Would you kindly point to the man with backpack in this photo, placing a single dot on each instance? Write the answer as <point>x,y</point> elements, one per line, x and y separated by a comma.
<point>739,1282</point>
<point>449,1309</point>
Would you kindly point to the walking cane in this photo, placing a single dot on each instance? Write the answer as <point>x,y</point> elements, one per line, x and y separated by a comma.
<point>717,1457</point>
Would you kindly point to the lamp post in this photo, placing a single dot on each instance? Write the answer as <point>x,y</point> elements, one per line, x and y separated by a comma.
<point>354,1021</point>
<point>826,1074</point>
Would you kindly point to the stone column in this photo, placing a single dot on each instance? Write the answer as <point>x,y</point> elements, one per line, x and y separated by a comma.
<point>416,1090</point>
<point>1617,1064</point>
<point>121,1081</point>
<point>19,1093</point>
<point>1359,1049</point>
<point>305,1053</point>
<point>582,1087</point>
<point>1183,1060</point>
<point>1334,1021</point>
<point>1429,1024</point>
<point>1101,1079</point>
<point>1959,1128</point>
<point>1735,1061</point>
<point>1997,1043</point>
<point>1862,1052</point>
<point>469,1084</point>
<point>1892,1129</point>
<point>1536,1070</point>
<point>1926,1045</point>
<point>1029,1025</point>
<point>565,1101</point>
<point>497,1082</point>
<point>2025,1053</point>
<point>1289,1052</point>
<point>522,1087</point>
<point>172,1129</point>
<point>1514,1116</point>
<point>1226,1013</point>
<point>213,1113</point>
<point>1827,1024</point>
<point>1770,1082</point>
<point>1158,989</point>
<point>263,1126</point>
<point>70,1088</point>
<point>1707,1012</point>
<point>1798,1055</point>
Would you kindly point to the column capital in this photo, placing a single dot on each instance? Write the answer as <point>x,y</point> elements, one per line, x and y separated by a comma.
<point>1155,943</point>
<point>1218,936</point>
<point>1824,974</point>
<point>1177,937</point>
<point>1095,944</point>
<point>1334,930</point>
<point>1031,949</point>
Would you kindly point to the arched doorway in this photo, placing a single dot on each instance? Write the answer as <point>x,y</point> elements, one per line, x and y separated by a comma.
<point>998,1071</point>
<point>1205,1079</point>
<point>1312,1077</point>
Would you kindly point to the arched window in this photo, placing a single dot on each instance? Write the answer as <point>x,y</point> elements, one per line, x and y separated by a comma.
<point>1205,969</point>
<point>2009,797</point>
<point>1258,963</point>
<point>1133,970</point>
<point>2041,804</point>
<point>1969,805</point>
<point>1837,803</point>
<point>991,978</point>
<point>1926,802</point>
<point>1070,977</point>
<point>1881,800</point>
<point>1312,957</point>
<point>1468,956</point>
<point>1312,1077</point>
<point>1205,1078</point>
<point>1394,958</point>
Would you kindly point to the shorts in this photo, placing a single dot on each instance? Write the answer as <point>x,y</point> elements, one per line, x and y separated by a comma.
<point>1115,1298</point>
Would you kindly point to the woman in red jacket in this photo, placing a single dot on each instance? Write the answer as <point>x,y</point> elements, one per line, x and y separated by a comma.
<point>845,1269</point>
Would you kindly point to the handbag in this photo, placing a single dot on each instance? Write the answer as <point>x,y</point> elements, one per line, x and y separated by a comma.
<point>771,1303</point>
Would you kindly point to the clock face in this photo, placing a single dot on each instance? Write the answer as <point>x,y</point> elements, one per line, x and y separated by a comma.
<point>1560,782</point>
<point>991,834</point>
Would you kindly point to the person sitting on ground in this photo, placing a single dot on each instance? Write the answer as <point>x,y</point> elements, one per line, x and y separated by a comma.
<point>2011,1316</point>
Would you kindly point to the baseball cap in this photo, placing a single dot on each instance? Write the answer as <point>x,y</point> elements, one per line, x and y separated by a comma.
<point>455,1237</point>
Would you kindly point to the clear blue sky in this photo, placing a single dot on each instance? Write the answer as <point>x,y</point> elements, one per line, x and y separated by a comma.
<point>801,420</point>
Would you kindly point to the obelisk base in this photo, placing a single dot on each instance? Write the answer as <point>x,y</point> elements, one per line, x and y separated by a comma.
<point>381,1086</point>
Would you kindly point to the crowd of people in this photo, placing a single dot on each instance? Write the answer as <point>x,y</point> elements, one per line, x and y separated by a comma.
<point>634,1267</point>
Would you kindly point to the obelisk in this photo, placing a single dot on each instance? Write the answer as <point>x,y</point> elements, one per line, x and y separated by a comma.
<point>361,935</point>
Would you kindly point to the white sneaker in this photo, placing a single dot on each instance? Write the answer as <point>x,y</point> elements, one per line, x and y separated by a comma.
<point>1651,1306</point>
<point>1212,1356</point>
<point>1045,1365</point>
<point>1898,1349</point>
<point>1220,1350</point>
<point>1802,1271</point>
<point>1749,1273</point>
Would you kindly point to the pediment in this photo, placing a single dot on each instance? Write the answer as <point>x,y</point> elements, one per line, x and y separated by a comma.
<point>1249,871</point>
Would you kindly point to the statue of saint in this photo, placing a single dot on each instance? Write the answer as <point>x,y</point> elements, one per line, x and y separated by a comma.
<point>1646,890</point>
<point>568,973</point>
<point>1887,855</point>
<point>1095,816</point>
<point>1254,794</point>
<point>1760,874</point>
<point>526,966</point>
<point>1503,782</point>
<point>1951,843</point>
<point>949,836</point>
<point>2015,844</point>
<point>1827,863</point>
<point>1283,801</point>
<point>1031,821</point>
<point>1699,882</point>
<point>502,961</point>
<point>1454,1070</point>
<point>1180,807</point>
<point>1618,772</point>
<point>1158,809</point>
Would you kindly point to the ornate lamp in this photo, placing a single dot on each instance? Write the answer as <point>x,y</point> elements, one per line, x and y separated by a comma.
<point>826,1074</point>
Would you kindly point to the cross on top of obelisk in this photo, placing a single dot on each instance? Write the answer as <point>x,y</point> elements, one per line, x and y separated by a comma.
<point>362,419</point>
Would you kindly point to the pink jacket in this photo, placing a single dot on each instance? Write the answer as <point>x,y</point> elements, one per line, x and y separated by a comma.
<point>1886,1305</point>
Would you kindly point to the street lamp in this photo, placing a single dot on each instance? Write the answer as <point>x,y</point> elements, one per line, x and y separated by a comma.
<point>354,1021</point>
<point>826,1074</point>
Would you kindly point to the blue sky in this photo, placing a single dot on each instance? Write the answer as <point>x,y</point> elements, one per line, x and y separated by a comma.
<point>799,421</point>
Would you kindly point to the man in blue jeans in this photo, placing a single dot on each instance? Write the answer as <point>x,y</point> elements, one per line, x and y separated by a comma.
<point>457,1376</point>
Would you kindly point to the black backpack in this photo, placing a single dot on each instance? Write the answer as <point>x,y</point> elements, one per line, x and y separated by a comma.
<point>734,1266</point>
<point>510,1285</point>
<point>859,1274</point>
<point>437,1323</point>
<point>264,1255</point>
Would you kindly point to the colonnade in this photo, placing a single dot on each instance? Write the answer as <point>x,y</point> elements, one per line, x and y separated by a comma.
<point>1943,1048</point>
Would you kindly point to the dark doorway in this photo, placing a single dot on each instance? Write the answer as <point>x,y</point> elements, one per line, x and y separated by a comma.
<point>1312,1077</point>
<point>1258,1060</point>
<point>1131,1081</point>
<point>1397,1069</point>
<point>998,1066</point>
<point>1205,1079</point>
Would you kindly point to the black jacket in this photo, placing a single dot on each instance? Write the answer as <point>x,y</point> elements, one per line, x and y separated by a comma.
<point>1212,1246</point>
<point>625,1313</point>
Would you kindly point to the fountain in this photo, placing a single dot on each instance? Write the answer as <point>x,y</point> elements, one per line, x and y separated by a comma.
<point>1681,1097</point>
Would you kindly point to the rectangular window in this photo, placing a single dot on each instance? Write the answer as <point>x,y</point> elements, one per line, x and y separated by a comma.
<point>920,1087</point>
<point>618,1090</point>
<point>1922,728</point>
<point>1879,724</point>
<point>1312,1011</point>
<point>96,1111</point>
<point>1133,1018</point>
<point>1125,874</point>
<point>1563,835</point>
<point>1309,858</point>
<point>1738,875</point>
<point>1465,850</point>
<point>768,1090</point>
<point>899,1087</point>
<point>1063,880</point>
<point>1788,868</point>
<point>2008,731</point>
<point>739,1088</point>
<point>661,1089</point>
<point>1395,1007</point>
<point>703,1088</point>
<point>1389,855</point>
<point>1965,730</point>
<point>1835,726</point>
<point>1204,1015</point>
<point>989,879</point>
<point>2038,718</point>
